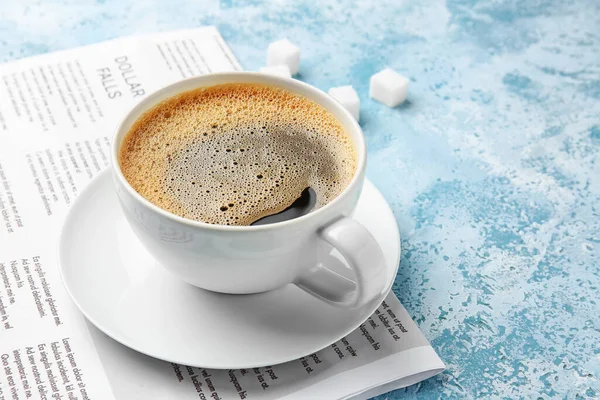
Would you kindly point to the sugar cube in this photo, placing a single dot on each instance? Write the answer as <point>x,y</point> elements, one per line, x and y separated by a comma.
<point>388,87</point>
<point>284,52</point>
<point>277,70</point>
<point>348,98</point>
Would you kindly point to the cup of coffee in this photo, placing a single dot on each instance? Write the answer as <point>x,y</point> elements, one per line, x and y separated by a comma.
<point>236,182</point>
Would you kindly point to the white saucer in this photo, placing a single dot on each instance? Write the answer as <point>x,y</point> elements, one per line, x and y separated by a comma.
<point>120,288</point>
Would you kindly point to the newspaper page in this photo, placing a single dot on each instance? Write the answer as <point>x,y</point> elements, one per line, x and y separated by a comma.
<point>57,113</point>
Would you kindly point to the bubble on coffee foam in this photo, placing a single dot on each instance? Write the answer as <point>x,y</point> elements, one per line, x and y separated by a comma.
<point>232,154</point>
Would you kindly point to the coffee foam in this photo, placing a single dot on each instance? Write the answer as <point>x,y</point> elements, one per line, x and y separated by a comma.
<point>232,154</point>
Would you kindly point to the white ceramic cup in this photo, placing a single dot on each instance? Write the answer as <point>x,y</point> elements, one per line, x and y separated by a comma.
<point>252,259</point>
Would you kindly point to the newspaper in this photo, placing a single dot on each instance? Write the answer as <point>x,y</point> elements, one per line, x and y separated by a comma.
<point>57,112</point>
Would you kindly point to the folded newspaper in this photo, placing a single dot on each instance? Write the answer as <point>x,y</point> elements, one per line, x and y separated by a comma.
<point>57,112</point>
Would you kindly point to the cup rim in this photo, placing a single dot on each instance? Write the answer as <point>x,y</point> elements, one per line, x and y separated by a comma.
<point>188,84</point>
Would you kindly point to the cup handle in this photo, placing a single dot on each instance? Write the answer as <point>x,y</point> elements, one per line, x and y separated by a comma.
<point>363,255</point>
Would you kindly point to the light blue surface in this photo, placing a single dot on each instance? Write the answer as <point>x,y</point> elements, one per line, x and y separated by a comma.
<point>492,167</point>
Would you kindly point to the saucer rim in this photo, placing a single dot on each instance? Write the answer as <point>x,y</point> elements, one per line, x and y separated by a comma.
<point>63,248</point>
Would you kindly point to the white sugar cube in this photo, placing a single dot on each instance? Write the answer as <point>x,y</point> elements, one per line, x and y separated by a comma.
<point>277,70</point>
<point>348,98</point>
<point>388,87</point>
<point>284,52</point>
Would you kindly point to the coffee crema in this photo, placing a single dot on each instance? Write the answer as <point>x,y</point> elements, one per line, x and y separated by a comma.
<point>232,154</point>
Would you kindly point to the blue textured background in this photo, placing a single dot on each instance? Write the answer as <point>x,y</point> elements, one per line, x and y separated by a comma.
<point>492,166</point>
